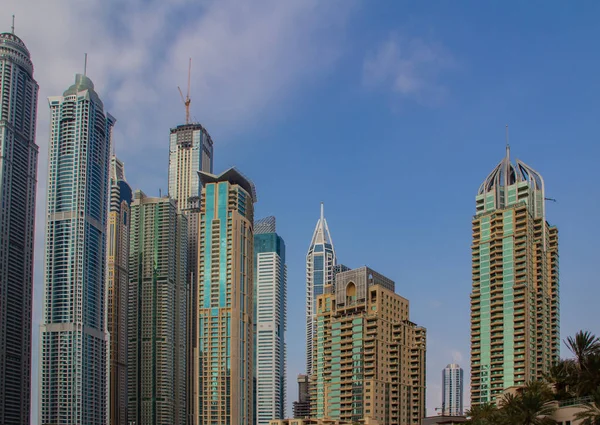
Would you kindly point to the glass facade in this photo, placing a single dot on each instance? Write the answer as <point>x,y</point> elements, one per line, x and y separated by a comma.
<point>320,264</point>
<point>18,176</point>
<point>74,330</point>
<point>270,281</point>
<point>223,381</point>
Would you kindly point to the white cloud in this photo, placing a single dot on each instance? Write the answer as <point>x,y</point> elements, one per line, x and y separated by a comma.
<point>409,67</point>
<point>248,60</point>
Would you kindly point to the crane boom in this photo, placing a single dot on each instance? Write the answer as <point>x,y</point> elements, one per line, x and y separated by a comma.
<point>187,100</point>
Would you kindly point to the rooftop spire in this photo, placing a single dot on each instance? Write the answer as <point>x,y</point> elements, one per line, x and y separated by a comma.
<point>12,28</point>
<point>507,145</point>
<point>85,65</point>
<point>322,212</point>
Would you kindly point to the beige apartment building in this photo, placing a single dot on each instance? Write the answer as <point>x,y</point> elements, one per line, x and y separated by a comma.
<point>368,357</point>
<point>514,300</point>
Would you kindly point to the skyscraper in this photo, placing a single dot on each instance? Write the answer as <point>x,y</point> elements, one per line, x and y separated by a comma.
<point>18,179</point>
<point>368,357</point>
<point>157,312</point>
<point>302,406</point>
<point>452,390</point>
<point>190,151</point>
<point>73,360</point>
<point>223,384</point>
<point>514,301</point>
<point>320,262</point>
<point>270,316</point>
<point>117,287</point>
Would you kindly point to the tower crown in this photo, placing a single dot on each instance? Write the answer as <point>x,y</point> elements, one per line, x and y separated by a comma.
<point>506,174</point>
<point>13,47</point>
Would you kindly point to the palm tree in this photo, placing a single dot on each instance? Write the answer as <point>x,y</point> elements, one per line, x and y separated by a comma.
<point>590,415</point>
<point>583,345</point>
<point>482,414</point>
<point>531,406</point>
<point>563,378</point>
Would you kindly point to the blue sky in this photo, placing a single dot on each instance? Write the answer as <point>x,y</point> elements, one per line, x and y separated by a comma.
<point>392,113</point>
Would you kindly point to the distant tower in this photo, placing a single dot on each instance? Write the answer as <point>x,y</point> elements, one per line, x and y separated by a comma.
<point>320,262</point>
<point>117,282</point>
<point>514,300</point>
<point>157,312</point>
<point>18,180</point>
<point>452,390</point>
<point>302,406</point>
<point>223,379</point>
<point>74,334</point>
<point>270,280</point>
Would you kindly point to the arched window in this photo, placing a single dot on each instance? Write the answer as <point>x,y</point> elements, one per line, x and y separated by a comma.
<point>350,293</point>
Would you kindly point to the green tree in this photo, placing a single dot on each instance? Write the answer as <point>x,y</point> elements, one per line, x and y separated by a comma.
<point>483,414</point>
<point>530,406</point>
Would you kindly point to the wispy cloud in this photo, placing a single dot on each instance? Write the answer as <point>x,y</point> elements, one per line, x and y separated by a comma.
<point>409,67</point>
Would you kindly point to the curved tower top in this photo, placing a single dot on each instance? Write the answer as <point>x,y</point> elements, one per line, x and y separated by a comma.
<point>506,174</point>
<point>13,47</point>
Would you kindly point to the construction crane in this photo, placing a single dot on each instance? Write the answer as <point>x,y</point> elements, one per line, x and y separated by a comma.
<point>550,199</point>
<point>186,101</point>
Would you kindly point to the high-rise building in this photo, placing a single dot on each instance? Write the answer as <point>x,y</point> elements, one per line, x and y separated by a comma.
<point>320,263</point>
<point>74,336</point>
<point>368,357</point>
<point>302,406</point>
<point>117,284</point>
<point>452,390</point>
<point>223,383</point>
<point>18,180</point>
<point>514,301</point>
<point>270,281</point>
<point>157,312</point>
<point>190,151</point>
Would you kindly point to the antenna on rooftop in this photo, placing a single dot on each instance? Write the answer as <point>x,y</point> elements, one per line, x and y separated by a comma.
<point>12,28</point>
<point>507,145</point>
<point>187,100</point>
<point>85,65</point>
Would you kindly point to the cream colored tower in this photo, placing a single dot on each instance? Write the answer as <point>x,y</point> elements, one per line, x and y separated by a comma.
<point>368,357</point>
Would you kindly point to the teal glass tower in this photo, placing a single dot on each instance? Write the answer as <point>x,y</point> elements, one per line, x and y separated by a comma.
<point>18,180</point>
<point>224,358</point>
<point>270,317</point>
<point>74,336</point>
<point>320,272</point>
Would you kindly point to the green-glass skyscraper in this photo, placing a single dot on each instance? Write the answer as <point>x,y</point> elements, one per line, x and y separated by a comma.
<point>157,312</point>
<point>514,302</point>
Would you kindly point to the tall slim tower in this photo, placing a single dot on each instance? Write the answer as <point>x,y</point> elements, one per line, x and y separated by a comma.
<point>270,316</point>
<point>190,151</point>
<point>157,312</point>
<point>514,302</point>
<point>117,282</point>
<point>452,390</point>
<point>74,337</point>
<point>18,180</point>
<point>223,381</point>
<point>320,262</point>
<point>368,357</point>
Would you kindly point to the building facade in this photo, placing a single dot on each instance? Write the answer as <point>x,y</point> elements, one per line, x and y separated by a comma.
<point>117,284</point>
<point>320,263</point>
<point>302,406</point>
<point>157,312</point>
<point>368,357</point>
<point>74,336</point>
<point>190,151</point>
<point>514,300</point>
<point>452,390</point>
<point>270,318</point>
<point>223,381</point>
<point>18,181</point>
